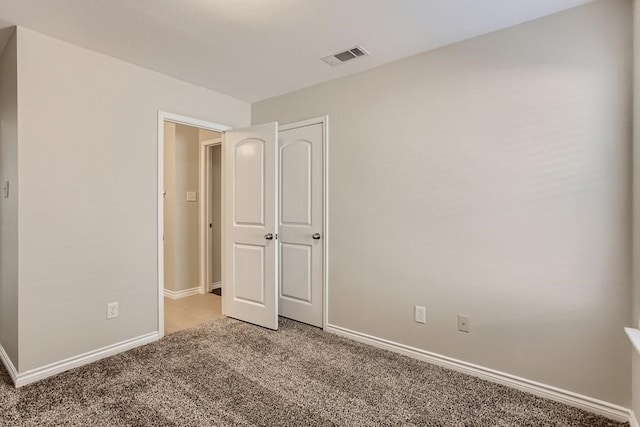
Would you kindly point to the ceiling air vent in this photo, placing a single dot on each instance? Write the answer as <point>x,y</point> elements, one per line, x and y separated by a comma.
<point>347,55</point>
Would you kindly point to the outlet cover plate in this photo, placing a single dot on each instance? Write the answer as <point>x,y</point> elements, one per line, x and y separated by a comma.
<point>420,314</point>
<point>112,310</point>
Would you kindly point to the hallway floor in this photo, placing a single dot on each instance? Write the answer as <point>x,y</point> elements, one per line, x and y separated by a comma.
<point>185,313</point>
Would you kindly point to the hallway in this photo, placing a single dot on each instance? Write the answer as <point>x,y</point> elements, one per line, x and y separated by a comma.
<point>191,311</point>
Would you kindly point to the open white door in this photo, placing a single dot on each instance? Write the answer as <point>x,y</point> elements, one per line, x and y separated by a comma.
<point>250,225</point>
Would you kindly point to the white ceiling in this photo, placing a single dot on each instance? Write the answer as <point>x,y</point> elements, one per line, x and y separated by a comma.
<point>256,49</point>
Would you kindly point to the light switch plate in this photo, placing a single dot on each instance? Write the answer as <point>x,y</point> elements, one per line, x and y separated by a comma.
<point>192,196</point>
<point>463,323</point>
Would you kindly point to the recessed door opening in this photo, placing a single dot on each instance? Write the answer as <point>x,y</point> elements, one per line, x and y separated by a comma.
<point>242,228</point>
<point>192,193</point>
<point>211,151</point>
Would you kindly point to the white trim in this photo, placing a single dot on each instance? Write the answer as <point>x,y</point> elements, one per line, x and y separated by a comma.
<point>46,371</point>
<point>160,208</point>
<point>214,285</point>
<point>223,219</point>
<point>586,403</point>
<point>204,179</point>
<point>183,293</point>
<point>325,219</point>
<point>8,364</point>
<point>174,118</point>
<point>190,121</point>
<point>633,420</point>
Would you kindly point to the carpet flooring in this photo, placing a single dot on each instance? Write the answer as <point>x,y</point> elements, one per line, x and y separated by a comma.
<point>228,373</point>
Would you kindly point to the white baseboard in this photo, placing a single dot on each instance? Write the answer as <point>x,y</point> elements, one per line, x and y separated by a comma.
<point>590,404</point>
<point>212,286</point>
<point>37,374</point>
<point>8,364</point>
<point>633,420</point>
<point>182,294</point>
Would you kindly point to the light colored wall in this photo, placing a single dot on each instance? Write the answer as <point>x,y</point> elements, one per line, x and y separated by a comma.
<point>635,322</point>
<point>182,243</point>
<point>635,384</point>
<point>216,208</point>
<point>9,207</point>
<point>169,204</point>
<point>187,239</point>
<point>88,152</point>
<point>490,178</point>
<point>205,134</point>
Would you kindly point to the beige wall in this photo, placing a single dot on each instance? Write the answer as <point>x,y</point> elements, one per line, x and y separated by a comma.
<point>181,218</point>
<point>635,383</point>
<point>88,152</point>
<point>186,257</point>
<point>489,178</point>
<point>205,134</point>
<point>9,207</point>
<point>635,322</point>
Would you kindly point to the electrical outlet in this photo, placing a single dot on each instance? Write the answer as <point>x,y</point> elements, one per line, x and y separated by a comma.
<point>112,310</point>
<point>463,323</point>
<point>420,314</point>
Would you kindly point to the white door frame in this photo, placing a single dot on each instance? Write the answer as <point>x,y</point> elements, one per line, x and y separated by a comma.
<point>205,194</point>
<point>324,120</point>
<point>202,124</point>
<point>183,120</point>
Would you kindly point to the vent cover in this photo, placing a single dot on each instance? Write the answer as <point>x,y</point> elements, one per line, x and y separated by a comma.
<point>347,55</point>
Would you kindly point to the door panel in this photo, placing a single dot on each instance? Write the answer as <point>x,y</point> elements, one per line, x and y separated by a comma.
<point>301,210</point>
<point>249,182</point>
<point>251,212</point>
<point>295,281</point>
<point>295,167</point>
<point>248,273</point>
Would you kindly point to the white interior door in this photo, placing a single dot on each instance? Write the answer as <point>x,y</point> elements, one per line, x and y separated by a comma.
<point>250,255</point>
<point>301,223</point>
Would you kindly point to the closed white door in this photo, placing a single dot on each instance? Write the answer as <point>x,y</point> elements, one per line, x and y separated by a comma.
<point>301,223</point>
<point>251,212</point>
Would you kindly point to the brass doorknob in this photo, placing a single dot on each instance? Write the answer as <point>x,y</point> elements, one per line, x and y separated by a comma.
<point>316,236</point>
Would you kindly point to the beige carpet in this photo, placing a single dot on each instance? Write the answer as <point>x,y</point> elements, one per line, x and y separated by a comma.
<point>227,373</point>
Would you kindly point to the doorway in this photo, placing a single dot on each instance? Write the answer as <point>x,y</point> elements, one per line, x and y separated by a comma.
<point>269,175</point>
<point>188,179</point>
